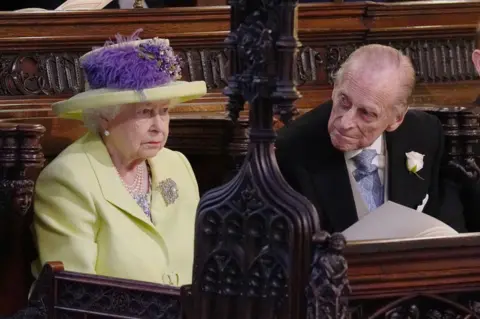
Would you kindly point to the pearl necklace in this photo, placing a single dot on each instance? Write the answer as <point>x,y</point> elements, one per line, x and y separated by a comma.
<point>138,183</point>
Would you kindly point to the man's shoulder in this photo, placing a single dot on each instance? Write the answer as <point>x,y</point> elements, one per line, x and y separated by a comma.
<point>421,124</point>
<point>309,126</point>
<point>421,117</point>
<point>420,131</point>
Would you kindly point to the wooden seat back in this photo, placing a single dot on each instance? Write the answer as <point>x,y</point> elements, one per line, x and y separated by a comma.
<point>62,294</point>
<point>20,157</point>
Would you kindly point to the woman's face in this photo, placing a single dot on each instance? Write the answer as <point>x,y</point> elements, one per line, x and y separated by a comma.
<point>139,131</point>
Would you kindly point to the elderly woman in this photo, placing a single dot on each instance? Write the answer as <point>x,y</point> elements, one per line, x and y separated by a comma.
<point>117,202</point>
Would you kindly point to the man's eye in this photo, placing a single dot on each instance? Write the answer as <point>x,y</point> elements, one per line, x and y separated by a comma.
<point>367,113</point>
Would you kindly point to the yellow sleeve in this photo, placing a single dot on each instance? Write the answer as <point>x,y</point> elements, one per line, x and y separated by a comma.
<point>191,173</point>
<point>65,222</point>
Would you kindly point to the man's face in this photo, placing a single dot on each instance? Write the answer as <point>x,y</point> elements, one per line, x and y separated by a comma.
<point>363,108</point>
<point>476,60</point>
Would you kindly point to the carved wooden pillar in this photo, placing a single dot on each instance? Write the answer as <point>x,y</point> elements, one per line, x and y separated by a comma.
<point>449,117</point>
<point>470,133</point>
<point>20,150</point>
<point>253,235</point>
<point>462,132</point>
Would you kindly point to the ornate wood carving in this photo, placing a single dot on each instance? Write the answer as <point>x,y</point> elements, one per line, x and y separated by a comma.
<point>60,73</point>
<point>20,150</point>
<point>101,298</point>
<point>437,276</point>
<point>60,294</point>
<point>40,74</point>
<point>328,32</point>
<point>416,306</point>
<point>435,61</point>
<point>209,65</point>
<point>253,253</point>
<point>328,286</point>
<point>461,127</point>
<point>235,222</point>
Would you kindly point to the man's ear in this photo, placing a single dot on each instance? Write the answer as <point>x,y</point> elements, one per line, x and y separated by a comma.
<point>398,120</point>
<point>476,59</point>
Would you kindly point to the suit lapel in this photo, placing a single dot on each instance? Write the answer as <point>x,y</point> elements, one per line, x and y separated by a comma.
<point>160,210</point>
<point>405,188</point>
<point>331,185</point>
<point>109,180</point>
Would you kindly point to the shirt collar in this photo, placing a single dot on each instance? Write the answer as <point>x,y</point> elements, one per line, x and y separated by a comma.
<point>377,145</point>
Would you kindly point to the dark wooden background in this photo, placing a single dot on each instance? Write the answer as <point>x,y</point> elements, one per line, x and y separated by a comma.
<point>39,65</point>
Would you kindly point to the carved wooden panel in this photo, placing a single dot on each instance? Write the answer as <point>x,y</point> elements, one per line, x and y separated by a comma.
<point>418,306</point>
<point>40,74</point>
<point>435,61</point>
<point>20,150</point>
<point>252,250</point>
<point>59,73</point>
<point>61,294</point>
<point>211,66</point>
<point>74,296</point>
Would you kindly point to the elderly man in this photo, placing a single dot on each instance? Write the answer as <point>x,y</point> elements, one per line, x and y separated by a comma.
<point>349,155</point>
<point>476,54</point>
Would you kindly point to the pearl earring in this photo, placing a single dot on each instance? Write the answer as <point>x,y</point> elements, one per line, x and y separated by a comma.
<point>106,133</point>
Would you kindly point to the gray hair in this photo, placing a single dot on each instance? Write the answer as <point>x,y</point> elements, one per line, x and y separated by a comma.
<point>93,116</point>
<point>380,58</point>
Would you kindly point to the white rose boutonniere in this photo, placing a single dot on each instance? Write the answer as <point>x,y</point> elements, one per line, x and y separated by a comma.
<point>414,162</point>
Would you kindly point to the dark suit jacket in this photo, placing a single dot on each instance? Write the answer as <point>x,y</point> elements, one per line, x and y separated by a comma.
<point>314,168</point>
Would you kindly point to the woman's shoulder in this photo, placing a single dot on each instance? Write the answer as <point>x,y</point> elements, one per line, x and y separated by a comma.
<point>171,157</point>
<point>67,162</point>
<point>176,165</point>
<point>176,162</point>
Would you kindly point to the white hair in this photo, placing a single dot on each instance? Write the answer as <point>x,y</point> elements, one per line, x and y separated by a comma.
<point>380,58</point>
<point>93,116</point>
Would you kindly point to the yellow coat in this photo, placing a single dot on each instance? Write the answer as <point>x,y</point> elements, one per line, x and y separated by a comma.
<point>85,218</point>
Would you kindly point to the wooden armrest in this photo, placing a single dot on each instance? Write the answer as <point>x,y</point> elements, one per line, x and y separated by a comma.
<point>59,293</point>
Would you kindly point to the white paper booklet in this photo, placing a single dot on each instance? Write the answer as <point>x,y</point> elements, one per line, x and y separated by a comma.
<point>392,221</point>
<point>72,5</point>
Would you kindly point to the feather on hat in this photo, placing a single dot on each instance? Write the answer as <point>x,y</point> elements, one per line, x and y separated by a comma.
<point>127,71</point>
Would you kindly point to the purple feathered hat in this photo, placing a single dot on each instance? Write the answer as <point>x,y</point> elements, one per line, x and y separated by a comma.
<point>130,70</point>
<point>130,63</point>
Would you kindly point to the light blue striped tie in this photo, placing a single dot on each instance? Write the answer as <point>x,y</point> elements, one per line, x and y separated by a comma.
<point>368,179</point>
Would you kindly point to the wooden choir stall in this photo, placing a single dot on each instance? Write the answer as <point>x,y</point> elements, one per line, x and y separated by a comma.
<point>260,251</point>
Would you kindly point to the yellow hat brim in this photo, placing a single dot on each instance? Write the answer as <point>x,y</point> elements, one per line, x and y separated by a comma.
<point>179,91</point>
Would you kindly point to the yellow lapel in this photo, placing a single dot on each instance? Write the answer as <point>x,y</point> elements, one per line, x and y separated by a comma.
<point>160,172</point>
<point>109,180</point>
